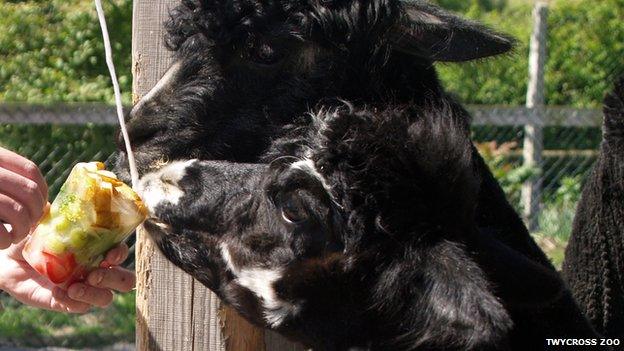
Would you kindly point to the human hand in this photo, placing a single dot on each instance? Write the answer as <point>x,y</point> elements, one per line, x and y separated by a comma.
<point>23,197</point>
<point>21,281</point>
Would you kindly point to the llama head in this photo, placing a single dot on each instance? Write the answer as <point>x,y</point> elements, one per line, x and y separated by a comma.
<point>353,221</point>
<point>245,68</point>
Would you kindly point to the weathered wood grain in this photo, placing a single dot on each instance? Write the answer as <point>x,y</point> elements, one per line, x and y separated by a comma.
<point>533,144</point>
<point>175,312</point>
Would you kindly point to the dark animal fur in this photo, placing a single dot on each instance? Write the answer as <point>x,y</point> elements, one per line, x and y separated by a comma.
<point>594,261</point>
<point>414,246</point>
<point>390,257</point>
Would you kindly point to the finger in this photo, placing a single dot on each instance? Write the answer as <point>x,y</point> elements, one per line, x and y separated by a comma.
<point>15,251</point>
<point>21,165</point>
<point>24,191</point>
<point>62,302</point>
<point>90,295</point>
<point>15,214</point>
<point>6,239</point>
<point>115,278</point>
<point>46,210</point>
<point>116,256</point>
<point>35,290</point>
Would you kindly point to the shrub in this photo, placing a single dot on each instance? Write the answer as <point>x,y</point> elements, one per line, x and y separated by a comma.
<point>53,51</point>
<point>558,210</point>
<point>586,50</point>
<point>509,174</point>
<point>585,53</point>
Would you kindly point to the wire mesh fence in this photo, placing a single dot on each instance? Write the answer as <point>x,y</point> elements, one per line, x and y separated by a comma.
<point>58,136</point>
<point>571,138</point>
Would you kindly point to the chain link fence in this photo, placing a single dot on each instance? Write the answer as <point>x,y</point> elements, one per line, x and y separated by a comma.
<point>56,137</point>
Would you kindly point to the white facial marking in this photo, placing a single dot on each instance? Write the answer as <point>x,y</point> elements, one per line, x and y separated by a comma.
<point>166,80</point>
<point>227,258</point>
<point>162,185</point>
<point>307,165</point>
<point>260,281</point>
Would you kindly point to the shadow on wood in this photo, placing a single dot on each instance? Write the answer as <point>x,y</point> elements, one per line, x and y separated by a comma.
<point>175,312</point>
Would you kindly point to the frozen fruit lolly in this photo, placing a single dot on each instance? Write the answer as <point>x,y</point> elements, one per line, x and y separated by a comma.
<point>93,212</point>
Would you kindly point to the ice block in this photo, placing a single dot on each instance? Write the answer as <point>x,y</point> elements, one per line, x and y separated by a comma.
<point>93,212</point>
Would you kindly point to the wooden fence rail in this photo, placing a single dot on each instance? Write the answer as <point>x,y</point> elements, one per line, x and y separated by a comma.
<point>483,115</point>
<point>148,65</point>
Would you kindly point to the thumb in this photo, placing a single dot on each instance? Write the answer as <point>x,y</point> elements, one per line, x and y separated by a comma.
<point>15,250</point>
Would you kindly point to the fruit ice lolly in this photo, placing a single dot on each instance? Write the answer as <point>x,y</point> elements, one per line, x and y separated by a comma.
<point>93,212</point>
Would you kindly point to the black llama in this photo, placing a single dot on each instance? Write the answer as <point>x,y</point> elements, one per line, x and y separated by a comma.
<point>594,261</point>
<point>348,209</point>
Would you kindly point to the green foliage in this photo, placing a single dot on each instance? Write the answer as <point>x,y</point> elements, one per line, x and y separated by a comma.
<point>557,214</point>
<point>509,174</point>
<point>568,193</point>
<point>559,205</point>
<point>498,80</point>
<point>26,326</point>
<point>586,52</point>
<point>53,51</point>
<point>553,246</point>
<point>558,209</point>
<point>56,148</point>
<point>465,5</point>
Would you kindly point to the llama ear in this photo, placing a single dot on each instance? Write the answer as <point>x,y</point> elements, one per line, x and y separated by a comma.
<point>459,295</point>
<point>430,32</point>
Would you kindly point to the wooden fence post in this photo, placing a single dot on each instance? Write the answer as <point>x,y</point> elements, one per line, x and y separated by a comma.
<point>175,312</point>
<point>533,136</point>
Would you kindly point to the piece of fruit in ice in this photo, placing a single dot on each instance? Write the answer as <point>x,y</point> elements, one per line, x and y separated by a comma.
<point>59,268</point>
<point>93,212</point>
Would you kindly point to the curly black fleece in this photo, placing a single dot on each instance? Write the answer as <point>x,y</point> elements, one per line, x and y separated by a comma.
<point>390,256</point>
<point>245,69</point>
<point>594,260</point>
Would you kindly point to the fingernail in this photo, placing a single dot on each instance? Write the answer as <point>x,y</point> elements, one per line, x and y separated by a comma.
<point>96,278</point>
<point>77,292</point>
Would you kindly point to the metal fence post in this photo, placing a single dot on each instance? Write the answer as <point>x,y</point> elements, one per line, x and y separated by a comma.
<point>533,136</point>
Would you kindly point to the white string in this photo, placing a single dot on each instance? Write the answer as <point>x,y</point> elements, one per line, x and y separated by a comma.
<point>134,174</point>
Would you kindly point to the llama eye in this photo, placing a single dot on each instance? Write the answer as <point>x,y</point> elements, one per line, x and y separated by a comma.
<point>293,211</point>
<point>265,54</point>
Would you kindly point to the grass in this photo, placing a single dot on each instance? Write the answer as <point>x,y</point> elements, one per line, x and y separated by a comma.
<point>553,247</point>
<point>557,217</point>
<point>555,227</point>
<point>25,326</point>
